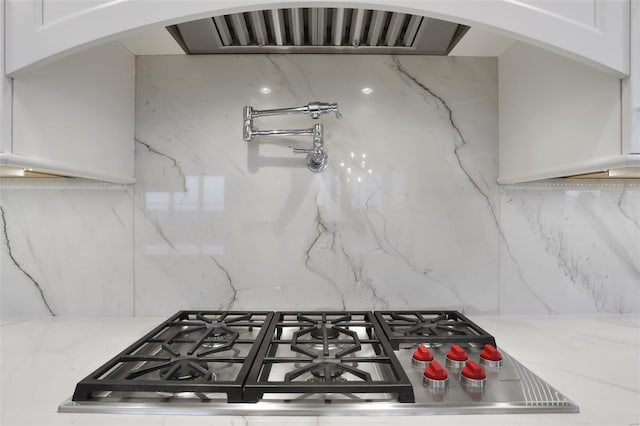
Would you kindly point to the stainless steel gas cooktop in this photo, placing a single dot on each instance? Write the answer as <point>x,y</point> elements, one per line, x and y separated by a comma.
<point>315,363</point>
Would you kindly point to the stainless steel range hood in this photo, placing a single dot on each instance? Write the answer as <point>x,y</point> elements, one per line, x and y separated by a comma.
<point>318,30</point>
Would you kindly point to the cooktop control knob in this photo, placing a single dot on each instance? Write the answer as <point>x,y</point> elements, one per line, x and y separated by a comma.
<point>435,376</point>
<point>473,375</point>
<point>490,356</point>
<point>456,357</point>
<point>421,357</point>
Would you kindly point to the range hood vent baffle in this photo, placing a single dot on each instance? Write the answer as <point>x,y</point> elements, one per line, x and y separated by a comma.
<point>318,30</point>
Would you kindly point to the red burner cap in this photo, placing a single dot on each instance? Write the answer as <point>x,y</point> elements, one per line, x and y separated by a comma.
<point>473,371</point>
<point>435,371</point>
<point>422,354</point>
<point>490,353</point>
<point>456,353</point>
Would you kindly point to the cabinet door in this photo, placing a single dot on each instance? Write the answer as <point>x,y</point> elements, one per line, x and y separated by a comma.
<point>556,116</point>
<point>631,89</point>
<point>5,96</point>
<point>593,31</point>
<point>76,116</point>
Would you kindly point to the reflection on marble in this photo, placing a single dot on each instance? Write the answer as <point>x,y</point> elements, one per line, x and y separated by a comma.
<point>66,249</point>
<point>407,215</point>
<point>572,247</point>
<point>404,216</point>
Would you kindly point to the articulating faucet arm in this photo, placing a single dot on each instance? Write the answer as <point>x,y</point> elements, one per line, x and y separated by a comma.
<point>315,109</point>
<point>317,157</point>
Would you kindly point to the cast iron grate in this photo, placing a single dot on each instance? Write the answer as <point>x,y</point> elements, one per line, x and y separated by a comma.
<point>431,327</point>
<point>203,352</point>
<point>324,353</point>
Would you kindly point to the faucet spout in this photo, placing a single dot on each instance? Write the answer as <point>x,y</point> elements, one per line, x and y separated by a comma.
<point>315,109</point>
<point>317,157</point>
<point>318,108</point>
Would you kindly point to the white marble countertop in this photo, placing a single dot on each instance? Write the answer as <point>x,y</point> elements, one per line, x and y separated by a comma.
<point>594,360</point>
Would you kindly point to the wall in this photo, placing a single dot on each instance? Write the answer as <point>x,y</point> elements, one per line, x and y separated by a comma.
<point>408,214</point>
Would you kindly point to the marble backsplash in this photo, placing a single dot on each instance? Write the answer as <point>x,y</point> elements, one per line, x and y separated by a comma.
<point>407,215</point>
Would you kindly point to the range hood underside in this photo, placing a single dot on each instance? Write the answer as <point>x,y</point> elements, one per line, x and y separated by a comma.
<point>318,30</point>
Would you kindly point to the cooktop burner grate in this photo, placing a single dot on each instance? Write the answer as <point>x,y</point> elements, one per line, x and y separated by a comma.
<point>327,353</point>
<point>432,328</point>
<point>203,352</point>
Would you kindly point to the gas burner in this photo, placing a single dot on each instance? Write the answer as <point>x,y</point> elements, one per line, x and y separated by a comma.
<point>214,333</point>
<point>325,353</point>
<point>177,367</point>
<point>431,328</point>
<point>184,395</point>
<point>431,344</point>
<point>319,331</point>
<point>325,334</point>
<point>187,369</point>
<point>328,372</point>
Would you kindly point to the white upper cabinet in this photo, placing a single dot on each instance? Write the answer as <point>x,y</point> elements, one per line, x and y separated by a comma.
<point>595,32</point>
<point>556,117</point>
<point>5,96</point>
<point>631,89</point>
<point>76,116</point>
<point>559,118</point>
<point>73,117</point>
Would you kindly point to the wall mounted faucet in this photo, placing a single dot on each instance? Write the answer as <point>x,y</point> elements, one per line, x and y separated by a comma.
<point>317,157</point>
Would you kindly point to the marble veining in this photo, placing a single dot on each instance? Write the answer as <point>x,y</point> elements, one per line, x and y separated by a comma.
<point>340,239</point>
<point>174,162</point>
<point>323,230</point>
<point>578,237</point>
<point>363,245</point>
<point>234,291</point>
<point>17,264</point>
<point>460,142</point>
<point>490,203</point>
<point>390,250</point>
<point>408,213</point>
<point>629,207</point>
<point>66,248</point>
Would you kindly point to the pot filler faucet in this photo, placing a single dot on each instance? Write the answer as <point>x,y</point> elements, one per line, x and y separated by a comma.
<point>317,157</point>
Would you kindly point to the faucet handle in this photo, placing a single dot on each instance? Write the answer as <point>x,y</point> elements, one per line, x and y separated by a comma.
<point>317,158</point>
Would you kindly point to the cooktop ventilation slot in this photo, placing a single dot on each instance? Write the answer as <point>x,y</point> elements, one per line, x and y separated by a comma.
<point>318,30</point>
